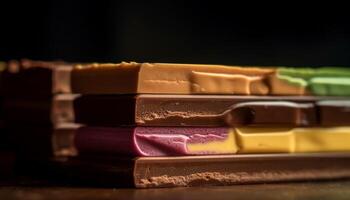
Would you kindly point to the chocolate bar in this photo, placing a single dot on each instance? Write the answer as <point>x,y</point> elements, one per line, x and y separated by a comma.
<point>168,78</point>
<point>205,170</point>
<point>163,78</point>
<point>333,113</point>
<point>200,110</point>
<point>44,78</point>
<point>178,110</point>
<point>179,141</point>
<point>27,78</point>
<point>63,140</point>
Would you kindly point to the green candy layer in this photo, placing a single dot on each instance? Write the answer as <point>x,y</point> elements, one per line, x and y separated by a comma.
<point>325,81</point>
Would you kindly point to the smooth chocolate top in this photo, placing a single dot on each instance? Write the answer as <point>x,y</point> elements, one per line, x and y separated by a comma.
<point>166,78</point>
<point>44,78</point>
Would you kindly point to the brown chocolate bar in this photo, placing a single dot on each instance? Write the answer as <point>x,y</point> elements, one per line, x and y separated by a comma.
<point>178,110</point>
<point>26,78</point>
<point>163,78</point>
<point>208,170</point>
<point>334,113</point>
<point>199,110</point>
<point>166,78</point>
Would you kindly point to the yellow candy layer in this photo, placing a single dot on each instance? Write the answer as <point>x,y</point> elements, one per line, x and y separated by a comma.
<point>278,140</point>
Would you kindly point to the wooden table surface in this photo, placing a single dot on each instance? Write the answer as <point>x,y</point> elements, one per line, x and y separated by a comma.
<point>292,191</point>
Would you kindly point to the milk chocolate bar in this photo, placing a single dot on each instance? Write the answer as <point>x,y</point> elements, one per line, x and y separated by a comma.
<point>161,78</point>
<point>334,113</point>
<point>34,111</point>
<point>164,78</point>
<point>200,110</point>
<point>26,78</point>
<point>148,172</point>
<point>178,141</point>
<point>168,78</point>
<point>63,140</point>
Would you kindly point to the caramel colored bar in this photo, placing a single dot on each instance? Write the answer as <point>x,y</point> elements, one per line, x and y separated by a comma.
<point>169,78</point>
<point>26,78</point>
<point>163,78</point>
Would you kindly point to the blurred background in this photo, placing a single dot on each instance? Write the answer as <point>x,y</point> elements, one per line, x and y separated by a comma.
<point>220,32</point>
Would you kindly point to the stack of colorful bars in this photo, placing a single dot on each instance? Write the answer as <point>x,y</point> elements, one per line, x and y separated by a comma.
<point>161,125</point>
<point>27,90</point>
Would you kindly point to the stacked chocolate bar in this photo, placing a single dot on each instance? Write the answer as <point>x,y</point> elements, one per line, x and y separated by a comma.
<point>28,88</point>
<point>160,125</point>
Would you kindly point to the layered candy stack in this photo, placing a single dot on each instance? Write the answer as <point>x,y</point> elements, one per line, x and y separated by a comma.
<point>232,124</point>
<point>28,88</point>
<point>161,125</point>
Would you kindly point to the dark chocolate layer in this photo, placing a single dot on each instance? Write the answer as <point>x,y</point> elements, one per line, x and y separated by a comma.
<point>178,110</point>
<point>205,110</point>
<point>334,113</point>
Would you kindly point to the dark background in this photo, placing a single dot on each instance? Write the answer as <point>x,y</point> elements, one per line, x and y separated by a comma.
<point>221,32</point>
